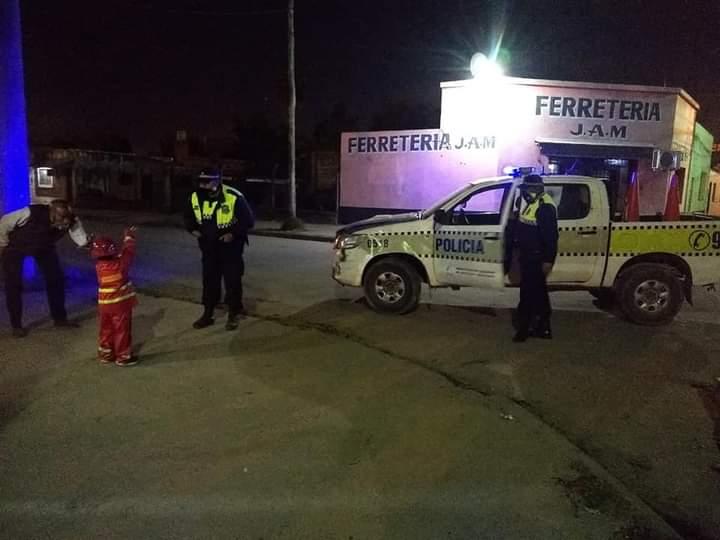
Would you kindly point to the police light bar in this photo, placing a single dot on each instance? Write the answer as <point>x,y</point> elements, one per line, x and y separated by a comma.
<point>517,172</point>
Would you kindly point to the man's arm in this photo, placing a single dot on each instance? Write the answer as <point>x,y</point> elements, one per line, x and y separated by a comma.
<point>9,222</point>
<point>191,224</point>
<point>127,255</point>
<point>244,218</point>
<point>77,234</point>
<point>547,223</point>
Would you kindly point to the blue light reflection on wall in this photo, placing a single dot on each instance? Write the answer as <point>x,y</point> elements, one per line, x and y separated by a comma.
<point>14,181</point>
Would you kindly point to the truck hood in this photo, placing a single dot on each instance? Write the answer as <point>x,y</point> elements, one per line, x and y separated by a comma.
<point>377,221</point>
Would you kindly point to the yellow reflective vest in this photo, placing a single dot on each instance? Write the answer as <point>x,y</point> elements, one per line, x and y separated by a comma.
<point>224,215</point>
<point>529,215</point>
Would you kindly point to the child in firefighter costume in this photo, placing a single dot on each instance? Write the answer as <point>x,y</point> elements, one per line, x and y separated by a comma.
<point>116,298</point>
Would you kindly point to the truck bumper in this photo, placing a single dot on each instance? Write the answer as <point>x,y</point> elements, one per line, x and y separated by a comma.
<point>347,271</point>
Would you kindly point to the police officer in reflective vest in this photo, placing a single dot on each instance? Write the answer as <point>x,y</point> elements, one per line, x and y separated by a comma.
<point>220,217</point>
<point>535,237</point>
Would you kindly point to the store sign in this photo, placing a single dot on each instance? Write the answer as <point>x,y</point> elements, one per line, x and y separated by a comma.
<point>413,169</point>
<point>598,117</point>
<point>421,141</point>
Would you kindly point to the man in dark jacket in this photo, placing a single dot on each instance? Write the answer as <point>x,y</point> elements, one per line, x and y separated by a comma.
<point>535,237</point>
<point>33,231</point>
<point>220,217</point>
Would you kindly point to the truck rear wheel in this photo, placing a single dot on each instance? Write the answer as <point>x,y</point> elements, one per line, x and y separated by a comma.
<point>392,286</point>
<point>650,294</point>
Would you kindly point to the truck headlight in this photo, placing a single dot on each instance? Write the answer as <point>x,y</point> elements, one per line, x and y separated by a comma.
<point>347,242</point>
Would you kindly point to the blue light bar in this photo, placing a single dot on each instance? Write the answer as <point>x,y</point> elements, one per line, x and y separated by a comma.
<point>517,172</point>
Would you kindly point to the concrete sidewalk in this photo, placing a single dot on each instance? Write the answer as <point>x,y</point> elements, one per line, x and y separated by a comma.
<point>319,232</point>
<point>280,431</point>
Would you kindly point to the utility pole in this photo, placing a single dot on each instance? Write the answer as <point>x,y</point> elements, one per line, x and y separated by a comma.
<point>14,182</point>
<point>292,106</point>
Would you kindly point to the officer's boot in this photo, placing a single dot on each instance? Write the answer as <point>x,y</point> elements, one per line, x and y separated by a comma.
<point>543,329</point>
<point>205,320</point>
<point>232,321</point>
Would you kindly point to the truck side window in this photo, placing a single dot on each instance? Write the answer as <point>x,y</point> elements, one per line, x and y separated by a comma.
<point>483,207</point>
<point>572,200</point>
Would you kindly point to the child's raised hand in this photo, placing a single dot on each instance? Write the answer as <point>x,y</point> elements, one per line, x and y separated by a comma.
<point>131,231</point>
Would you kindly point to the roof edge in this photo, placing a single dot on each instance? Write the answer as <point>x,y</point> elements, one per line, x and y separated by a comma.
<point>585,85</point>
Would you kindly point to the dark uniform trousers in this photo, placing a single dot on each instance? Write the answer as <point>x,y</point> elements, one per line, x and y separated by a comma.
<point>534,308</point>
<point>223,263</point>
<point>49,264</point>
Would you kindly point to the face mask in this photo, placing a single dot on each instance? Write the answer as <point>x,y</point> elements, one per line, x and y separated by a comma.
<point>210,189</point>
<point>528,196</point>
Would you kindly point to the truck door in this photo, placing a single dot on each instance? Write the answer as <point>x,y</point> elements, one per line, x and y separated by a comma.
<point>583,233</point>
<point>468,243</point>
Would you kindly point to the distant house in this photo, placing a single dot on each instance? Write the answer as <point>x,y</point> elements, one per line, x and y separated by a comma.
<point>102,179</point>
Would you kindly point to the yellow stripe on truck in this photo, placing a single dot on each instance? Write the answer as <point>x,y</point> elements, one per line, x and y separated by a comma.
<point>680,239</point>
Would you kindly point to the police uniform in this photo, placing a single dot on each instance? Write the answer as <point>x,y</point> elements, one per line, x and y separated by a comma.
<point>214,217</point>
<point>536,241</point>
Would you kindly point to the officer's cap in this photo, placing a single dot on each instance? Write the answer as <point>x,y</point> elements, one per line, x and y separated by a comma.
<point>207,176</point>
<point>533,181</point>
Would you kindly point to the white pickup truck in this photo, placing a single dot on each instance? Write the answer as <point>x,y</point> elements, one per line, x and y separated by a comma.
<point>648,267</point>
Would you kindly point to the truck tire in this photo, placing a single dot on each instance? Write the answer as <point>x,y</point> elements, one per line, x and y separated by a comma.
<point>649,294</point>
<point>392,285</point>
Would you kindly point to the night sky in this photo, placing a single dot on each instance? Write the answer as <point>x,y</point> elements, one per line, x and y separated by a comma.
<point>141,69</point>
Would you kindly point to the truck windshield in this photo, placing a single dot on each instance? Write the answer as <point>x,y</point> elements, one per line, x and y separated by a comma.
<point>445,200</point>
<point>437,206</point>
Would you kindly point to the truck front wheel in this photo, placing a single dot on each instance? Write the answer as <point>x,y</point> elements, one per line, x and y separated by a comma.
<point>392,286</point>
<point>650,294</point>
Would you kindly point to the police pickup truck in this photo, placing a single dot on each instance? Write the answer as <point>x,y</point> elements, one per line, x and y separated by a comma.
<point>647,267</point>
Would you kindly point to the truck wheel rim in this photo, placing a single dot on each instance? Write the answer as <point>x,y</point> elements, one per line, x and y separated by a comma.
<point>390,287</point>
<point>652,296</point>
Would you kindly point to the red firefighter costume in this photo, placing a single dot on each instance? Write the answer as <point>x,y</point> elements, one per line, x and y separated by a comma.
<point>116,298</point>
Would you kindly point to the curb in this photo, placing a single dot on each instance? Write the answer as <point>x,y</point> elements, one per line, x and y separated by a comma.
<point>291,235</point>
<point>313,237</point>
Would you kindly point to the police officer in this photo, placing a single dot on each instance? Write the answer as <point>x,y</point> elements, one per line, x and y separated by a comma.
<point>536,240</point>
<point>220,217</point>
<point>32,232</point>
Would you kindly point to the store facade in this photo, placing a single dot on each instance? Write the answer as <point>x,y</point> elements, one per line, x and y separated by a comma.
<point>609,131</point>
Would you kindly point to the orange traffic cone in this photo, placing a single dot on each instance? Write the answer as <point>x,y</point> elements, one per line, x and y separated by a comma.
<point>632,199</point>
<point>672,202</point>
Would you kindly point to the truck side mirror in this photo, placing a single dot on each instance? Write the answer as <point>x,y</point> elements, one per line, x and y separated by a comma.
<point>441,217</point>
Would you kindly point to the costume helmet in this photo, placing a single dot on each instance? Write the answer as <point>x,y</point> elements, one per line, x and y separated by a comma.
<point>103,247</point>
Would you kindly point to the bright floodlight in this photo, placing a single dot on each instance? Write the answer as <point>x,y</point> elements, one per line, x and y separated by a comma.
<point>482,67</point>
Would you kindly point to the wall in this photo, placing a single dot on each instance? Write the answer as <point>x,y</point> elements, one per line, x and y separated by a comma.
<point>490,125</point>
<point>409,170</point>
<point>521,112</point>
<point>714,202</point>
<point>696,196</point>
